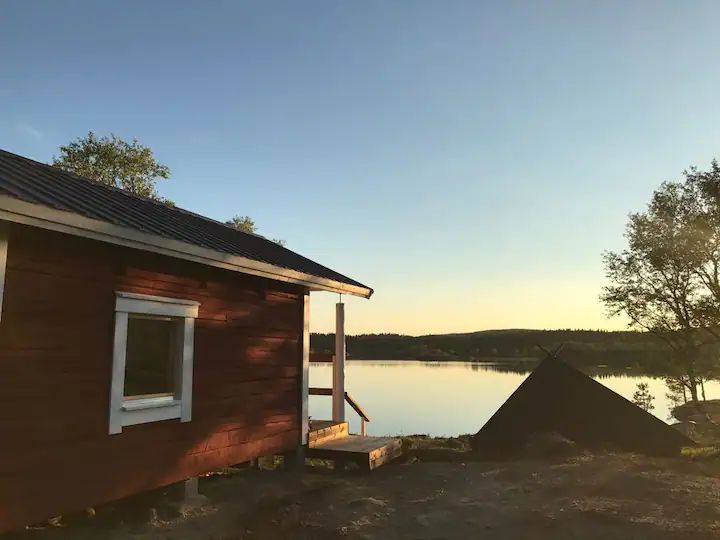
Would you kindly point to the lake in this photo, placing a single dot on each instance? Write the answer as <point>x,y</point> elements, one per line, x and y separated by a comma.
<point>406,397</point>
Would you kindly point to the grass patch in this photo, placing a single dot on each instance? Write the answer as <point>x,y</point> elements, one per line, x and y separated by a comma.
<point>701,452</point>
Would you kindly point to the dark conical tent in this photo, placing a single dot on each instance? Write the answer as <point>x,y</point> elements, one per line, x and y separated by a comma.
<point>558,398</point>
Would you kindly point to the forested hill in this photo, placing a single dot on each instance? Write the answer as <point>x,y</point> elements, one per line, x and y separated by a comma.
<point>581,346</point>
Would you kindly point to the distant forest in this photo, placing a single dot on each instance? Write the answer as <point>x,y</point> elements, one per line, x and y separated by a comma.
<point>581,347</point>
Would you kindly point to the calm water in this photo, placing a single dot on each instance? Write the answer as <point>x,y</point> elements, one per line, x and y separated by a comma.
<point>445,398</point>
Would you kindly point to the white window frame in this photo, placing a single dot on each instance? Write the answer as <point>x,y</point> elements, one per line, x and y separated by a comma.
<point>128,412</point>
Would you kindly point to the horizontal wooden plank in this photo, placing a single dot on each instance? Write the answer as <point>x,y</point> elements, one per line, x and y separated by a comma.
<point>56,490</point>
<point>160,289</point>
<point>239,373</point>
<point>139,274</point>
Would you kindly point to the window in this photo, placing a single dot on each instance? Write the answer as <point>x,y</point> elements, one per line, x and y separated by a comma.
<point>152,360</point>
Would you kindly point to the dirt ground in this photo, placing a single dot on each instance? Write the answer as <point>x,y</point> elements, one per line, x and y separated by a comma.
<point>588,496</point>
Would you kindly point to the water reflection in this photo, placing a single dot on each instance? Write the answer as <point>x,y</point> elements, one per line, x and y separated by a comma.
<point>452,398</point>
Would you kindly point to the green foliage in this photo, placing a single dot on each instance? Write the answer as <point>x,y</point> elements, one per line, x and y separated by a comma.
<point>247,224</point>
<point>676,393</point>
<point>242,223</point>
<point>667,281</point>
<point>114,162</point>
<point>586,348</point>
<point>643,398</point>
<point>131,166</point>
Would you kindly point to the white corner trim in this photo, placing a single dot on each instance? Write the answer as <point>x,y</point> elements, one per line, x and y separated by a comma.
<point>117,385</point>
<point>155,305</point>
<point>3,260</point>
<point>305,373</point>
<point>126,412</point>
<point>187,344</point>
<point>37,215</point>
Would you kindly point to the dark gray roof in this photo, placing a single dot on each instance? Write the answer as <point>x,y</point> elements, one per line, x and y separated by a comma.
<point>43,184</point>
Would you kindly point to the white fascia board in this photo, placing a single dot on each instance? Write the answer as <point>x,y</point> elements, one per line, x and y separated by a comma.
<point>44,217</point>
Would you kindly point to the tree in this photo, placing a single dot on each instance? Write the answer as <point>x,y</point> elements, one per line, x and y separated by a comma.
<point>114,162</point>
<point>703,241</point>
<point>242,223</point>
<point>655,282</point>
<point>247,224</point>
<point>677,391</point>
<point>643,398</point>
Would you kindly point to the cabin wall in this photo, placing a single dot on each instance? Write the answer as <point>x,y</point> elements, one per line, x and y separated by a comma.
<point>56,341</point>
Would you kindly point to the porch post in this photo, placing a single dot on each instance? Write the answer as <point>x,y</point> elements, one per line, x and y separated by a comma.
<point>338,389</point>
<point>305,373</point>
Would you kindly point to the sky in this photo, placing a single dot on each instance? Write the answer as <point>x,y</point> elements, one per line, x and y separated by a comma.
<point>470,161</point>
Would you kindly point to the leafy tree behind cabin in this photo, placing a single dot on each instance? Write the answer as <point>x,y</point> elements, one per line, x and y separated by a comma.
<point>130,166</point>
<point>114,162</point>
<point>247,224</point>
<point>242,223</point>
<point>667,281</point>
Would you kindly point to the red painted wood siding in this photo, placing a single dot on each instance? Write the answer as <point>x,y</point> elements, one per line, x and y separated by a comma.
<point>56,339</point>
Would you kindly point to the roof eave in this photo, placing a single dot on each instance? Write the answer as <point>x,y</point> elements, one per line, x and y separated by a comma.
<point>45,217</point>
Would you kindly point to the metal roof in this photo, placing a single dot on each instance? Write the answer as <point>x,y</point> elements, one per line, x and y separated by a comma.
<point>38,183</point>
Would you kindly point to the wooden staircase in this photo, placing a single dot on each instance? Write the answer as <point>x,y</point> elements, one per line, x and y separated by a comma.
<point>332,440</point>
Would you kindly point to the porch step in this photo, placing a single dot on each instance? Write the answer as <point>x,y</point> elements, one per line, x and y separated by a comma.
<point>368,452</point>
<point>323,431</point>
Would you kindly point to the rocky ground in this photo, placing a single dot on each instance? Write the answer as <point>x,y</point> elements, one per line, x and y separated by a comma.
<point>440,493</point>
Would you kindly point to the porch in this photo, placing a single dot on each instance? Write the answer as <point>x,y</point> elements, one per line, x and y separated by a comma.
<point>331,439</point>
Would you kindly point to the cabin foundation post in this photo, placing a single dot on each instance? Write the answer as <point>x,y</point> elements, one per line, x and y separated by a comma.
<point>338,389</point>
<point>190,489</point>
<point>192,499</point>
<point>294,460</point>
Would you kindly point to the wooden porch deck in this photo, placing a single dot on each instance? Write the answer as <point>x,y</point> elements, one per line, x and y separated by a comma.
<point>331,440</point>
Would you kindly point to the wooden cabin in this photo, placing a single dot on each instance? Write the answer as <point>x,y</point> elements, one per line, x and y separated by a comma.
<point>141,344</point>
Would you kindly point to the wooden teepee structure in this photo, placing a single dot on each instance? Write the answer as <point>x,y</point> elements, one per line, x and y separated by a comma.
<point>558,398</point>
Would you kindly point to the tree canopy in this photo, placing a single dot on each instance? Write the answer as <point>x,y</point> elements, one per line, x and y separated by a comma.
<point>113,161</point>
<point>242,223</point>
<point>247,224</point>
<point>667,281</point>
<point>131,166</point>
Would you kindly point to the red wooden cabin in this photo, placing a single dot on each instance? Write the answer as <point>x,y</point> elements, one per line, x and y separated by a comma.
<point>140,344</point>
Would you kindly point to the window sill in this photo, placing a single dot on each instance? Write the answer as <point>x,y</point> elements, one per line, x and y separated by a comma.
<point>149,403</point>
<point>144,411</point>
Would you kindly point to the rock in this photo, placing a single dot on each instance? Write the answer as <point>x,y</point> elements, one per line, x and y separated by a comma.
<point>368,501</point>
<point>687,428</point>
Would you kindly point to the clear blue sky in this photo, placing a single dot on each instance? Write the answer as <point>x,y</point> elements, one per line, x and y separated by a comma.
<point>468,160</point>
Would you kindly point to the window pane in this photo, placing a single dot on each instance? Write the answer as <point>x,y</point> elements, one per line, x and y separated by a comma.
<point>150,362</point>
